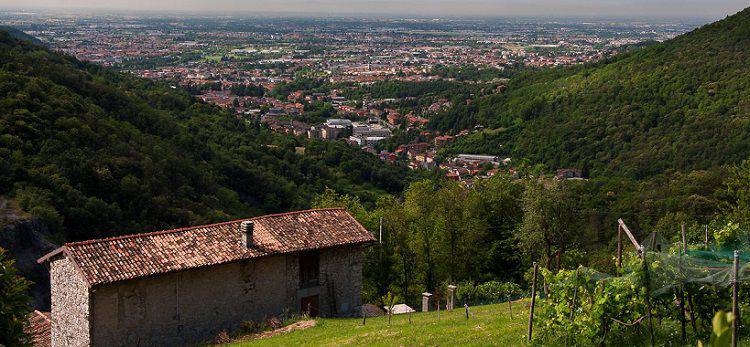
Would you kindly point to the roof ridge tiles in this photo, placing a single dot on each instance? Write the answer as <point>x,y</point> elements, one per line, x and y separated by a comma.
<point>138,255</point>
<point>188,228</point>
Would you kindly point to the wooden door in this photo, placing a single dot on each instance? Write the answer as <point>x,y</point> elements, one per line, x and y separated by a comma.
<point>309,305</point>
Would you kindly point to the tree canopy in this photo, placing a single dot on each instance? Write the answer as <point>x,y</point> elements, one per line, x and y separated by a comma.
<point>96,153</point>
<point>678,105</point>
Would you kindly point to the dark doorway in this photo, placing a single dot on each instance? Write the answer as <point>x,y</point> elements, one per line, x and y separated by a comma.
<point>309,305</point>
<point>309,268</point>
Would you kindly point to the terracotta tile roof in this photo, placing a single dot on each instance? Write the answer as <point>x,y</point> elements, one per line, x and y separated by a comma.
<point>127,257</point>
<point>39,329</point>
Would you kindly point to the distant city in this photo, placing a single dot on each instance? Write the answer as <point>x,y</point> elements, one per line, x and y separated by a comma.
<point>296,179</point>
<point>348,79</point>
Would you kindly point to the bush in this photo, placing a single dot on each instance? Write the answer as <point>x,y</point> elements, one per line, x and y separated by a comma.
<point>487,292</point>
<point>728,236</point>
<point>597,303</point>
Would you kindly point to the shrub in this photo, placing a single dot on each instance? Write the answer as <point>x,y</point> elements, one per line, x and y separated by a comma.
<point>487,292</point>
<point>597,302</point>
<point>728,235</point>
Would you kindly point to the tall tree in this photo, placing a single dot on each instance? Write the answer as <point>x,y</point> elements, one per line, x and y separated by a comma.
<point>14,303</point>
<point>551,221</point>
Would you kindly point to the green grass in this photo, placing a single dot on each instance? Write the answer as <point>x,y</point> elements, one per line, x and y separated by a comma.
<point>212,58</point>
<point>489,325</point>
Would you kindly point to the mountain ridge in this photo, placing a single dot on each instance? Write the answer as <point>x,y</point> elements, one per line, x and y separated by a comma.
<point>679,105</point>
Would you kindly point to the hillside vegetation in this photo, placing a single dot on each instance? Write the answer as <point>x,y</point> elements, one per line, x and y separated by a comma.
<point>95,153</point>
<point>682,104</point>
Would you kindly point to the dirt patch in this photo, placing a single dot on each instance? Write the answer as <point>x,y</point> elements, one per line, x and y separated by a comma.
<point>301,325</point>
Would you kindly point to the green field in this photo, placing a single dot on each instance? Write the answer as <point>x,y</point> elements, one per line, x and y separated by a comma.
<point>488,325</point>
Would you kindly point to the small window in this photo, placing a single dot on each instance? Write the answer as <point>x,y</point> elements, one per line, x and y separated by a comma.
<point>309,267</point>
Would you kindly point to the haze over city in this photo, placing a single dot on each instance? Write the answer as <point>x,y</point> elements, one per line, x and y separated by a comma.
<point>549,8</point>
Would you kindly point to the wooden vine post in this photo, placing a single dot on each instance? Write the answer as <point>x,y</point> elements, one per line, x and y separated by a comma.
<point>684,240</point>
<point>364,315</point>
<point>573,303</point>
<point>648,298</point>
<point>510,307</point>
<point>681,299</point>
<point>706,240</point>
<point>619,247</point>
<point>575,296</point>
<point>642,255</point>
<point>533,301</point>
<point>684,293</point>
<point>735,308</point>
<point>638,246</point>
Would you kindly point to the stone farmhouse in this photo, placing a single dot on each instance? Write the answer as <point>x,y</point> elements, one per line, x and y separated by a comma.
<point>182,286</point>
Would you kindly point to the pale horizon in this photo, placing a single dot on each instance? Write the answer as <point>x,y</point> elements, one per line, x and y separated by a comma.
<point>420,8</point>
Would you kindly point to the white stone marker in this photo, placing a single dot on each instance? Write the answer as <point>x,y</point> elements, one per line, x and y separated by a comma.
<point>426,301</point>
<point>451,291</point>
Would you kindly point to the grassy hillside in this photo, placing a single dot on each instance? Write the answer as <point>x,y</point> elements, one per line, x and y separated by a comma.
<point>96,153</point>
<point>489,325</point>
<point>682,104</point>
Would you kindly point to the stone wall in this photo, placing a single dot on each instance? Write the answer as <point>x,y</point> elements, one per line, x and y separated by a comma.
<point>340,275</point>
<point>70,305</point>
<point>192,306</point>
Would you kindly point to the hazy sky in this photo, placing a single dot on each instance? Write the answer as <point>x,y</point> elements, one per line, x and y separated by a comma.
<point>630,8</point>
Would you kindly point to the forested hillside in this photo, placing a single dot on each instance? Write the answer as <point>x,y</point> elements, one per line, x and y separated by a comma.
<point>96,153</point>
<point>20,35</point>
<point>682,104</point>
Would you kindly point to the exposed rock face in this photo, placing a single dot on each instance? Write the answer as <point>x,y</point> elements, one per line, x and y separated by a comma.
<point>27,240</point>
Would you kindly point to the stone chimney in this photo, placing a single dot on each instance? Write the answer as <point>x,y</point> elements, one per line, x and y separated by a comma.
<point>246,230</point>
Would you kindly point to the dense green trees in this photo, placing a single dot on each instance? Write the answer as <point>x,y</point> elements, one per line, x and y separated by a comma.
<point>551,221</point>
<point>96,153</point>
<point>248,90</point>
<point>440,232</point>
<point>738,188</point>
<point>14,304</point>
<point>403,89</point>
<point>473,73</point>
<point>680,105</point>
<point>313,85</point>
<point>443,232</point>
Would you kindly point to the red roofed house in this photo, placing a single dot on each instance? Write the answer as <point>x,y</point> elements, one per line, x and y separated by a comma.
<point>184,285</point>
<point>39,328</point>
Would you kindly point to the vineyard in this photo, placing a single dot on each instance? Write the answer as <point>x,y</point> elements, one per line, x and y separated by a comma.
<point>662,294</point>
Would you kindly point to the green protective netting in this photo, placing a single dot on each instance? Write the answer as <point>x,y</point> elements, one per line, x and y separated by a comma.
<point>670,271</point>
<point>701,264</point>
